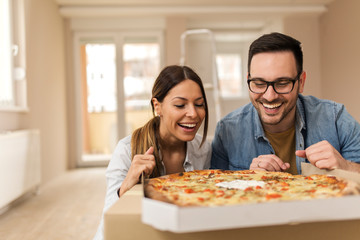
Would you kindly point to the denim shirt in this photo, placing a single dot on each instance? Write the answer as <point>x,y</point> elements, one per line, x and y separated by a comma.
<point>239,136</point>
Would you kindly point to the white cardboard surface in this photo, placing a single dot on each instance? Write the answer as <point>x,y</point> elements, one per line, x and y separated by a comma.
<point>169,217</point>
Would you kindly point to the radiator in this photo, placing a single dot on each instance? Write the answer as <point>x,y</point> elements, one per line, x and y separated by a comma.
<point>19,164</point>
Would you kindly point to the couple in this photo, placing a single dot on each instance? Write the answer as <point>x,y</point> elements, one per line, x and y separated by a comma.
<point>277,131</point>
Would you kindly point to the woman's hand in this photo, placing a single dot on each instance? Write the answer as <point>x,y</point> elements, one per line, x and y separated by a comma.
<point>140,163</point>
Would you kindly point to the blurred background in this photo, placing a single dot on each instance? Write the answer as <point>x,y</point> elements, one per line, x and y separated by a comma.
<point>84,69</point>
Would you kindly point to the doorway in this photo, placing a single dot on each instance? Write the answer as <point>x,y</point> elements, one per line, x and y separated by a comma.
<point>114,77</point>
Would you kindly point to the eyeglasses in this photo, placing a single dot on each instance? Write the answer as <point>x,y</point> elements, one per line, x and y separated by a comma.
<point>280,86</point>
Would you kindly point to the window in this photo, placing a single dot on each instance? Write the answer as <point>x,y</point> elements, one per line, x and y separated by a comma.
<point>6,56</point>
<point>12,57</point>
<point>101,77</point>
<point>99,94</point>
<point>141,59</point>
<point>229,73</point>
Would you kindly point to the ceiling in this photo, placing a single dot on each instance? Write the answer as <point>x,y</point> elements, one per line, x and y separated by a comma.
<point>249,14</point>
<point>194,8</point>
<point>190,2</point>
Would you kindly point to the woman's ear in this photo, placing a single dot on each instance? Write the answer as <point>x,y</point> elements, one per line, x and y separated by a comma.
<point>157,106</point>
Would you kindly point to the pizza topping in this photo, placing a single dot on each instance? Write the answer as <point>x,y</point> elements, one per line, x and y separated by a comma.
<point>189,190</point>
<point>273,195</point>
<point>211,175</point>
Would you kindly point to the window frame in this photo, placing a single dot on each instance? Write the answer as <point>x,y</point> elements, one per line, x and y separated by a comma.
<point>18,102</point>
<point>118,38</point>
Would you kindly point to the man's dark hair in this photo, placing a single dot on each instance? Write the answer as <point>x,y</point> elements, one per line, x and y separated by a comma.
<point>277,42</point>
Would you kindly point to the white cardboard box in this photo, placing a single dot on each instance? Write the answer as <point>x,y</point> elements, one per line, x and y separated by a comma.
<point>169,217</point>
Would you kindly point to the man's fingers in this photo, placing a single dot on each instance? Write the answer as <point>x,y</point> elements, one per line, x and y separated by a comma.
<point>272,166</point>
<point>300,153</point>
<point>286,166</point>
<point>271,163</point>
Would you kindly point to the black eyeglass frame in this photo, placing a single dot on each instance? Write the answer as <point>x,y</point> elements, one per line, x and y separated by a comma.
<point>293,80</point>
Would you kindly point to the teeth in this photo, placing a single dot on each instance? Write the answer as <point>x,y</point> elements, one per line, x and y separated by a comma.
<point>188,125</point>
<point>272,105</point>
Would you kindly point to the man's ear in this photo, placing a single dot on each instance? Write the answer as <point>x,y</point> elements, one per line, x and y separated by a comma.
<point>302,79</point>
<point>157,106</point>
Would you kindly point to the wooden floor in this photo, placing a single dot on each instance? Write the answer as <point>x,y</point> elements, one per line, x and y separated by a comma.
<point>68,207</point>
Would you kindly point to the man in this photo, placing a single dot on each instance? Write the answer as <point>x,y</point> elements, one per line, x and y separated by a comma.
<point>281,128</point>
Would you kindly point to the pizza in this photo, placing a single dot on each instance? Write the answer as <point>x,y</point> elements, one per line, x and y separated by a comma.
<point>227,187</point>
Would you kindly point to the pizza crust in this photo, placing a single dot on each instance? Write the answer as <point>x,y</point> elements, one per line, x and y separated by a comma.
<point>150,192</point>
<point>352,188</point>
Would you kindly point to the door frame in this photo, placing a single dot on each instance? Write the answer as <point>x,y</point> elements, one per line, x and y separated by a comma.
<point>118,38</point>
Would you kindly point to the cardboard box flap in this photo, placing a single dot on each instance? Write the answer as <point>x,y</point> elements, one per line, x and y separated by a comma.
<point>309,169</point>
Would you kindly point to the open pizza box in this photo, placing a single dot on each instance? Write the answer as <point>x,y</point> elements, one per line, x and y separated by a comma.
<point>168,217</point>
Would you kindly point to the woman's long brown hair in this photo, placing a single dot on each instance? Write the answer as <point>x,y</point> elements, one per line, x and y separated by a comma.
<point>148,135</point>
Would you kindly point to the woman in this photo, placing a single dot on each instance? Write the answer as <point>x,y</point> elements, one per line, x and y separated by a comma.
<point>168,143</point>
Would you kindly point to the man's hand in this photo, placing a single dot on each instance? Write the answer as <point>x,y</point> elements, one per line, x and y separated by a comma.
<point>323,155</point>
<point>269,162</point>
<point>140,163</point>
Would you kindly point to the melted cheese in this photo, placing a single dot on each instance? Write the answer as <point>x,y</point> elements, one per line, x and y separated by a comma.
<point>241,184</point>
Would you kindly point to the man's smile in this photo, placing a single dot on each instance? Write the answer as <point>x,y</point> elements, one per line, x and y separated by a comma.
<point>271,105</point>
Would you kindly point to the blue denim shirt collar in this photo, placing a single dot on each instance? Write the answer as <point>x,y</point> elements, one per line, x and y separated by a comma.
<point>259,131</point>
<point>300,116</point>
